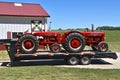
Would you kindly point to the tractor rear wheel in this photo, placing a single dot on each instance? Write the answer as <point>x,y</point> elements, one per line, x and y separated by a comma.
<point>74,43</point>
<point>28,44</point>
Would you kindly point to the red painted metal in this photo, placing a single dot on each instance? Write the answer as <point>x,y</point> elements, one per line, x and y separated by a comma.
<point>103,47</point>
<point>28,44</point>
<point>56,48</point>
<point>75,43</point>
<point>48,37</point>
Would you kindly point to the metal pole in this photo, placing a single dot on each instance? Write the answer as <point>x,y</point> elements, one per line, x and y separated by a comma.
<point>50,26</point>
<point>92,27</point>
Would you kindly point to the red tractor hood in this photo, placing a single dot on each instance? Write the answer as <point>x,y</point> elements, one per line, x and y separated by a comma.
<point>46,33</point>
<point>102,34</point>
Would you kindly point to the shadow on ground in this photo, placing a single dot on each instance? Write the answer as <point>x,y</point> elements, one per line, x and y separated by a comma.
<point>51,62</point>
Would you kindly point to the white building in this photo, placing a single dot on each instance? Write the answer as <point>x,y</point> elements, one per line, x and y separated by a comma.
<point>16,18</point>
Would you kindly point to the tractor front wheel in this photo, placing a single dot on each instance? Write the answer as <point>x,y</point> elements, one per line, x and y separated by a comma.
<point>55,48</point>
<point>102,47</point>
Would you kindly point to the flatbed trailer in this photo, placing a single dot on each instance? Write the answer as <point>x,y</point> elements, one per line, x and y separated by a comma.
<point>83,57</point>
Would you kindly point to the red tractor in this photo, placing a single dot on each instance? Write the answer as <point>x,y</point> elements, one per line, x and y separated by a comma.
<point>71,41</point>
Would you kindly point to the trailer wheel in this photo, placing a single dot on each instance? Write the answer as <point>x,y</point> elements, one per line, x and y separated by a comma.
<point>28,44</point>
<point>74,43</point>
<point>55,48</point>
<point>73,60</point>
<point>85,60</point>
<point>102,47</point>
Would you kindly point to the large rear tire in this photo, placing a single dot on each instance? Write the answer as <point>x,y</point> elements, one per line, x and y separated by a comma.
<point>74,43</point>
<point>28,44</point>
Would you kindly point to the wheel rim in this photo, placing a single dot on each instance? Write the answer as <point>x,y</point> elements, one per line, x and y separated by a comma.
<point>73,60</point>
<point>103,47</point>
<point>75,43</point>
<point>85,60</point>
<point>56,48</point>
<point>28,45</point>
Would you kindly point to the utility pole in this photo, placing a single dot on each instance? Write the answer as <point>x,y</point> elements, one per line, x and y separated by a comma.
<point>49,29</point>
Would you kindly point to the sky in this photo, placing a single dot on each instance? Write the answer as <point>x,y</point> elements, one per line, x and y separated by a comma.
<point>79,13</point>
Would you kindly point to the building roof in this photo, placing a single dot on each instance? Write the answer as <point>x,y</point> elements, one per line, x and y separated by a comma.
<point>22,9</point>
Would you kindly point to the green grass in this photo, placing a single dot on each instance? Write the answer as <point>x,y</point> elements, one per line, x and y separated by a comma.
<point>56,73</point>
<point>113,36</point>
<point>4,55</point>
<point>113,40</point>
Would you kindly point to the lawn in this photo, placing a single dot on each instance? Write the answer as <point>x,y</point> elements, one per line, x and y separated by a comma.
<point>113,40</point>
<point>56,73</point>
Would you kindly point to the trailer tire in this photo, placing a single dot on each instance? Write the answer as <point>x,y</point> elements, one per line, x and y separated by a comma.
<point>85,60</point>
<point>74,43</point>
<point>73,60</point>
<point>103,47</point>
<point>28,44</point>
<point>55,48</point>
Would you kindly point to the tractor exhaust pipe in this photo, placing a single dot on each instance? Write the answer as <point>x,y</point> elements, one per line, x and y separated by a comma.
<point>92,27</point>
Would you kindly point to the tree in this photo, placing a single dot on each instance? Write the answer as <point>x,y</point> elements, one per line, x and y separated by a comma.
<point>59,28</point>
<point>107,28</point>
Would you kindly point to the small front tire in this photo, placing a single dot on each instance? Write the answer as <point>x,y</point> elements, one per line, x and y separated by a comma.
<point>103,47</point>
<point>55,48</point>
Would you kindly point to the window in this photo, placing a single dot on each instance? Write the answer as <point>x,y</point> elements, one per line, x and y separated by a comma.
<point>14,34</point>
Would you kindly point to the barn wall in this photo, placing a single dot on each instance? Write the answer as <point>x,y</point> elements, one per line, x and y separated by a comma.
<point>17,24</point>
